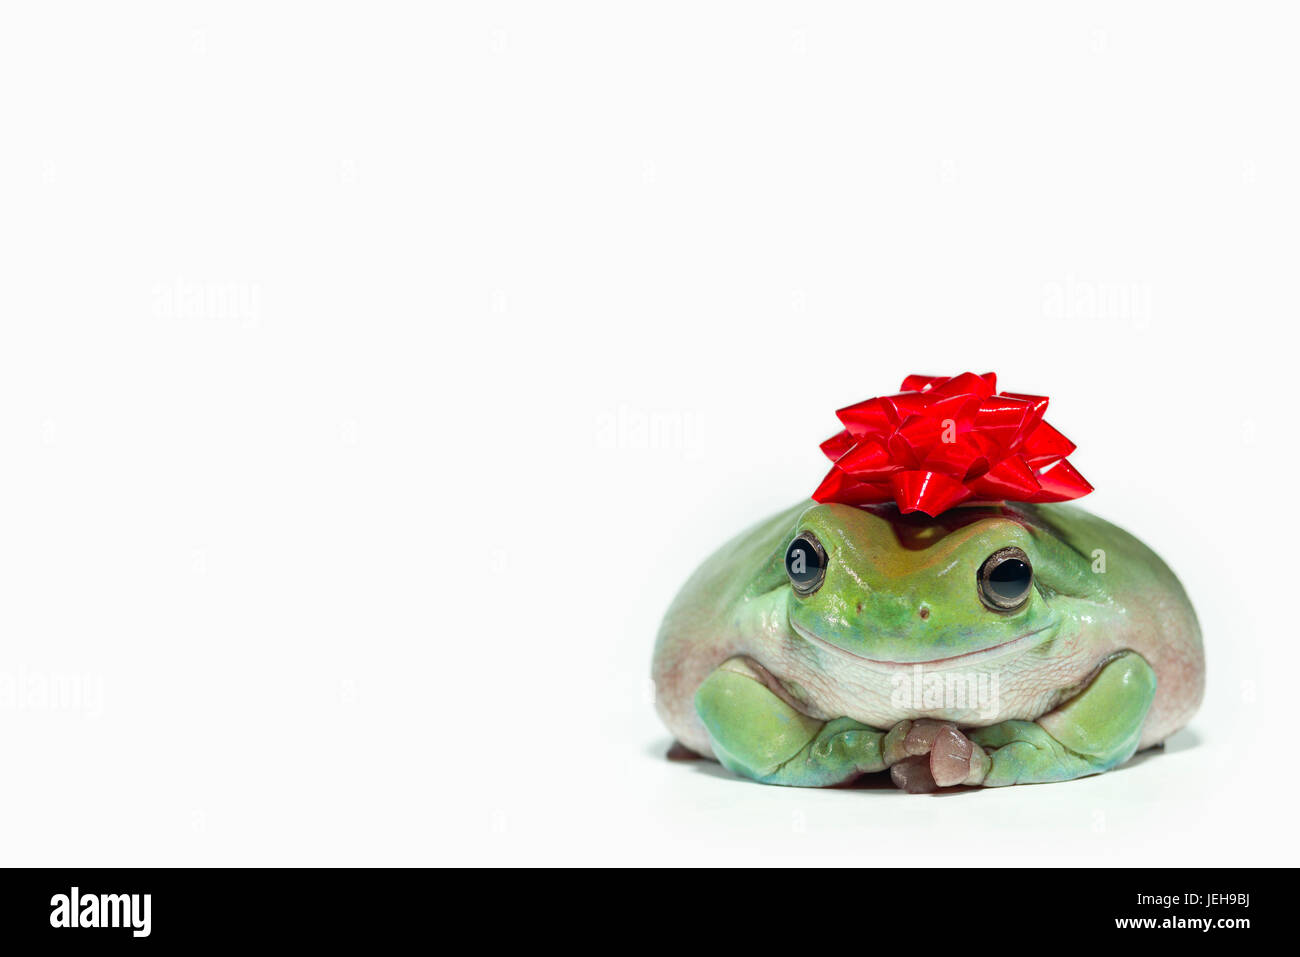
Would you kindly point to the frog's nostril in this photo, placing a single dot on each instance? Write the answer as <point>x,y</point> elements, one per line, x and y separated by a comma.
<point>859,608</point>
<point>925,612</point>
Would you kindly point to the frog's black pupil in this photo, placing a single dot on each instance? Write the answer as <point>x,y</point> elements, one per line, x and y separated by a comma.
<point>1009,580</point>
<point>803,562</point>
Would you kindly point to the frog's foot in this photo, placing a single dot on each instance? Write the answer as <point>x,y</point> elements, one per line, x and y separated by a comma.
<point>1093,732</point>
<point>757,733</point>
<point>926,755</point>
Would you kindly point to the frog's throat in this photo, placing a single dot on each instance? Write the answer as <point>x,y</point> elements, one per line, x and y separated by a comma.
<point>1011,646</point>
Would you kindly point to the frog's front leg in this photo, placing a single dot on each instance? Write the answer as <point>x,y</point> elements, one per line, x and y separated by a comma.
<point>756,733</point>
<point>1094,731</point>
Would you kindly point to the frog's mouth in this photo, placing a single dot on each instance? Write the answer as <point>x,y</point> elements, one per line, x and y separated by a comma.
<point>1008,647</point>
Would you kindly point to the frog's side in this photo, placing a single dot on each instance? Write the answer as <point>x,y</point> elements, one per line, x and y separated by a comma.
<point>895,662</point>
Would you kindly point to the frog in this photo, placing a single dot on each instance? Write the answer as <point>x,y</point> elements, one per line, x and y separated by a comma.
<point>1000,644</point>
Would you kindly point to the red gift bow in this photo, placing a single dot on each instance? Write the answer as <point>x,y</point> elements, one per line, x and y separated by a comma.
<point>943,442</point>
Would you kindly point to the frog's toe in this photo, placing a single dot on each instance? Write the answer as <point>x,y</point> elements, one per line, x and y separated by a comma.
<point>926,754</point>
<point>913,775</point>
<point>950,756</point>
<point>921,736</point>
<point>894,747</point>
<point>955,759</point>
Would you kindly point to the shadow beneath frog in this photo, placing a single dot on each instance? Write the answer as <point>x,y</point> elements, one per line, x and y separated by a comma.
<point>1181,740</point>
<point>667,749</point>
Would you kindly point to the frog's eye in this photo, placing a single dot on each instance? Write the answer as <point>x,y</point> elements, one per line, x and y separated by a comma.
<point>1005,579</point>
<point>805,563</point>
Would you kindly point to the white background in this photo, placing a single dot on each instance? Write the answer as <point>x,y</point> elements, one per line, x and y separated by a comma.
<point>371,376</point>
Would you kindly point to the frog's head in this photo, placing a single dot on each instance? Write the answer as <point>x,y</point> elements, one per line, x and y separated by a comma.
<point>897,589</point>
